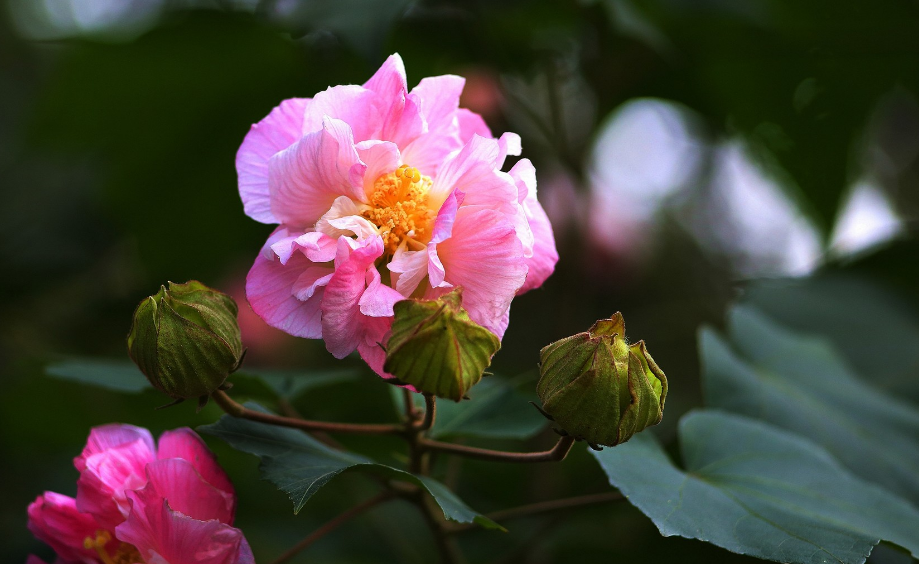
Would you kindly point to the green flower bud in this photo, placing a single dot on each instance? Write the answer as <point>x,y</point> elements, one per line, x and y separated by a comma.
<point>599,388</point>
<point>436,348</point>
<point>186,339</point>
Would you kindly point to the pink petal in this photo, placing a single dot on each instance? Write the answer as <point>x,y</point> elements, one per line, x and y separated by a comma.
<point>371,348</point>
<point>381,157</point>
<point>473,170</point>
<point>113,435</point>
<point>163,535</point>
<point>278,131</point>
<point>389,80</point>
<point>186,444</point>
<point>342,321</point>
<point>471,124</point>
<point>307,177</point>
<point>409,268</point>
<point>313,279</point>
<point>485,257</point>
<point>428,152</point>
<point>508,144</point>
<point>55,520</point>
<point>439,96</point>
<point>357,106</point>
<point>270,288</point>
<point>112,462</point>
<point>541,263</point>
<point>404,122</point>
<point>32,559</point>
<point>318,247</point>
<point>378,299</point>
<point>177,481</point>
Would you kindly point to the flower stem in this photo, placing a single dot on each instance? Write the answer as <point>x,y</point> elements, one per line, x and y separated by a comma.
<point>544,507</point>
<point>430,413</point>
<point>333,524</point>
<point>555,454</point>
<point>237,410</point>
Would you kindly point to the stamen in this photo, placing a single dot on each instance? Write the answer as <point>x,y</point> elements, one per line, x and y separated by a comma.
<point>124,554</point>
<point>399,208</point>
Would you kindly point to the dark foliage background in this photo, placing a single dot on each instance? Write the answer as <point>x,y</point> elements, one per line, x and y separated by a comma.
<point>117,140</point>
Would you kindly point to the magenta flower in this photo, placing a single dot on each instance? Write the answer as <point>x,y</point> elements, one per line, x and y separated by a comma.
<point>383,194</point>
<point>137,503</point>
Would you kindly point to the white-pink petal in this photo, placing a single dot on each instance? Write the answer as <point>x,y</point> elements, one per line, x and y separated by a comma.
<point>473,170</point>
<point>278,131</point>
<point>542,259</point>
<point>306,178</point>
<point>270,291</point>
<point>355,105</point>
<point>485,257</point>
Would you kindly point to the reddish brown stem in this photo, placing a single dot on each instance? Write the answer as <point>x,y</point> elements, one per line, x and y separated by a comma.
<point>555,454</point>
<point>237,410</point>
<point>430,413</point>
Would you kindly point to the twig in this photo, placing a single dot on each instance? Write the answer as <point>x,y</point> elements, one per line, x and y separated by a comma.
<point>237,410</point>
<point>333,524</point>
<point>544,507</point>
<point>555,454</point>
<point>446,545</point>
<point>430,412</point>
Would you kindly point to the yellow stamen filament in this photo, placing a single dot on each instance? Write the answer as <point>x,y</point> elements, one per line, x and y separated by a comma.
<point>124,554</point>
<point>399,209</point>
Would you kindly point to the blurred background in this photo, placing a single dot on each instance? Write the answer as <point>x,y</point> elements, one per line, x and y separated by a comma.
<point>684,149</point>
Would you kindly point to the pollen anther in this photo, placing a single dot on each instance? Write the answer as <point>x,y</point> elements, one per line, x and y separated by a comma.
<point>399,208</point>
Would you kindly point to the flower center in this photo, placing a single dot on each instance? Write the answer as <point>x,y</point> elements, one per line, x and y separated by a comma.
<point>399,208</point>
<point>124,552</point>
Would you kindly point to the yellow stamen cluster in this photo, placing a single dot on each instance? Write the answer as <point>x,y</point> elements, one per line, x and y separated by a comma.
<point>124,554</point>
<point>399,208</point>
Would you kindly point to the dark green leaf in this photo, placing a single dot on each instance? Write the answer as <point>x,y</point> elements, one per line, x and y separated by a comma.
<point>754,489</point>
<point>495,409</point>
<point>124,376</point>
<point>801,384</point>
<point>846,309</point>
<point>299,465</point>
<point>118,375</point>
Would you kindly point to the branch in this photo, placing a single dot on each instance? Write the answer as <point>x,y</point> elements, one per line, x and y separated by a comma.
<point>555,454</point>
<point>545,507</point>
<point>430,413</point>
<point>237,410</point>
<point>333,524</point>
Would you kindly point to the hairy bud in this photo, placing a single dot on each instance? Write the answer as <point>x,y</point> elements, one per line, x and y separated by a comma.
<point>186,339</point>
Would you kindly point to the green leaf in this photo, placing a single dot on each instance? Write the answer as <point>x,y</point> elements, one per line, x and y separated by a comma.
<point>437,348</point>
<point>117,375</point>
<point>299,465</point>
<point>495,409</point>
<point>834,306</point>
<point>124,376</point>
<point>754,489</point>
<point>801,384</point>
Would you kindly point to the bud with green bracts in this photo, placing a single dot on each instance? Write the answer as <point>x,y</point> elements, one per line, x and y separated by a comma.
<point>600,389</point>
<point>186,340</point>
<point>436,348</point>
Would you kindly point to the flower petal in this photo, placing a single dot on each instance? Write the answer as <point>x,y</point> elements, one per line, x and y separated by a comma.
<point>115,435</point>
<point>342,321</point>
<point>177,481</point>
<point>389,80</point>
<point>357,106</point>
<point>473,170</point>
<point>381,157</point>
<point>485,257</point>
<point>344,219</point>
<point>470,125</point>
<point>55,520</point>
<point>163,535</point>
<point>541,263</point>
<point>439,96</point>
<point>378,299</point>
<point>409,268</point>
<point>306,177</point>
<point>278,131</point>
<point>508,144</point>
<point>270,291</point>
<point>186,444</point>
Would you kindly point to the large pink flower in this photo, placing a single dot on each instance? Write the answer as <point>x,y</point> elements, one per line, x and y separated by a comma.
<point>383,194</point>
<point>138,503</point>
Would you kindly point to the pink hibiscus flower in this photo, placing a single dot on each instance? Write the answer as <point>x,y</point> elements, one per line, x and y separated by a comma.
<point>137,503</point>
<point>383,194</point>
